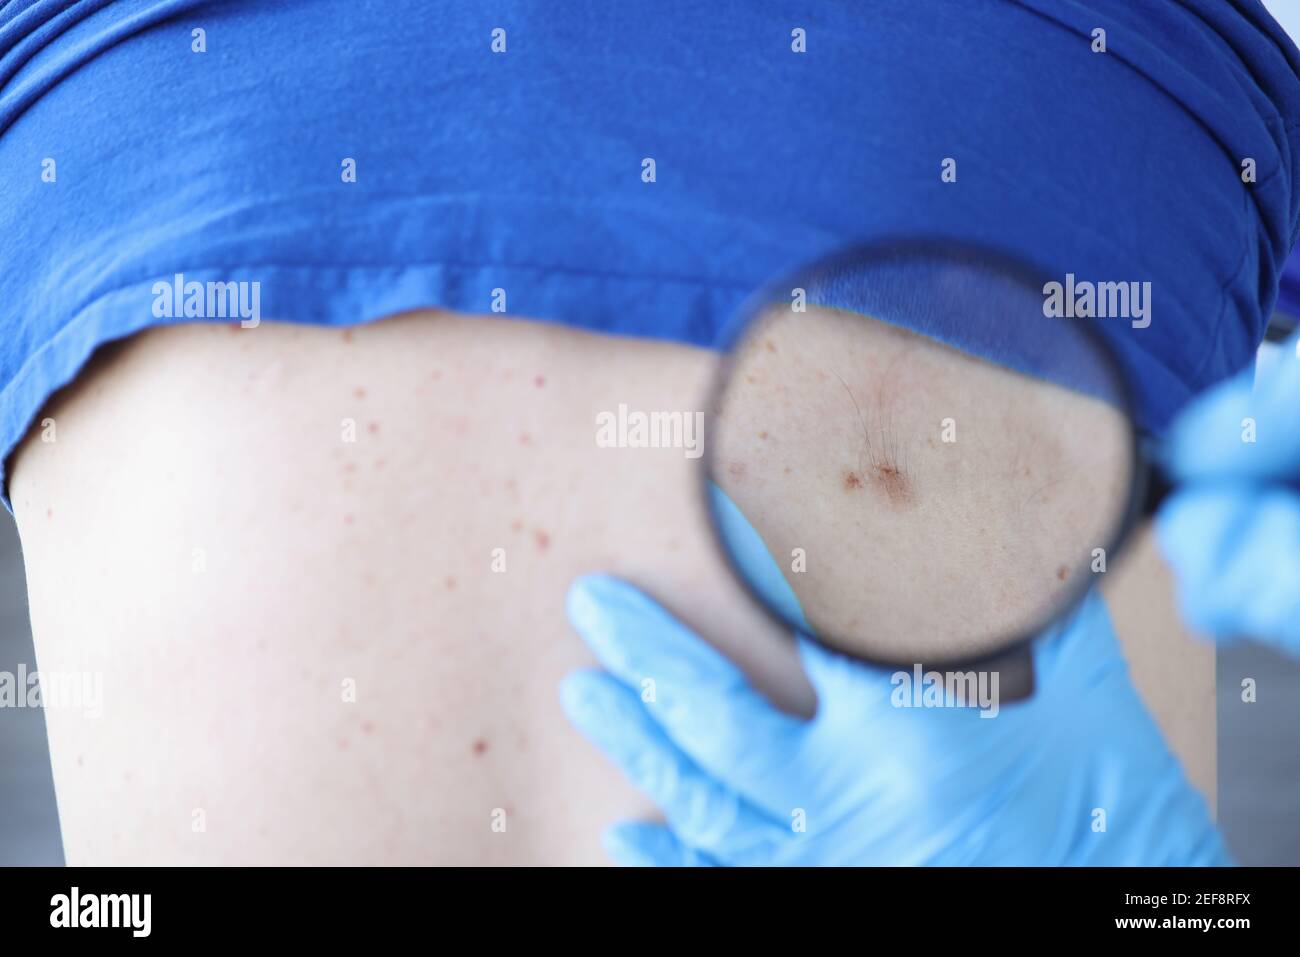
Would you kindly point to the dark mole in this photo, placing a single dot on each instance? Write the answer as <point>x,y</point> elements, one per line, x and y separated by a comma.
<point>480,747</point>
<point>540,381</point>
<point>1063,573</point>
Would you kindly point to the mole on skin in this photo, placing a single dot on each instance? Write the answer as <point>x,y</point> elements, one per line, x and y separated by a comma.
<point>889,480</point>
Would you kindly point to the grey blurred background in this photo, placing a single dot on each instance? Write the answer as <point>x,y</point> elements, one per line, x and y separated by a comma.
<point>1259,745</point>
<point>29,822</point>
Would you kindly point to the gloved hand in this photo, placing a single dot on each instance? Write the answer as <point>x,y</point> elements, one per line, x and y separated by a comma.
<point>1077,774</point>
<point>1232,530</point>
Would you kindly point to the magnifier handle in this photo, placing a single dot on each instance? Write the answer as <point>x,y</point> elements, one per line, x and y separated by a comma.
<point>1159,486</point>
<point>1015,673</point>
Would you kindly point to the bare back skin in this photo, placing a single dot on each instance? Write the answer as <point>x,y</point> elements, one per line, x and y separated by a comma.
<point>322,573</point>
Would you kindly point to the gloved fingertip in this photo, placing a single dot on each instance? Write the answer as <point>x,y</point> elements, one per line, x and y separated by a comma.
<point>1207,432</point>
<point>576,694</point>
<point>585,596</point>
<point>595,703</point>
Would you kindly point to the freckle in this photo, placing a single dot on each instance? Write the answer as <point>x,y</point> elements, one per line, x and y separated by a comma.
<point>512,486</point>
<point>81,761</point>
<point>347,519</point>
<point>350,467</point>
<point>770,347</point>
<point>1063,573</point>
<point>367,727</point>
<point>343,744</point>
<point>787,470</point>
<point>736,470</point>
<point>450,583</point>
<point>543,540</point>
<point>480,747</point>
<point>359,392</point>
<point>540,381</point>
<point>49,513</point>
<point>516,525</point>
<point>852,481</point>
<point>435,375</point>
<point>368,580</point>
<point>763,436</point>
<point>372,428</point>
<point>347,335</point>
<point>525,438</point>
<point>379,464</point>
<point>750,379</point>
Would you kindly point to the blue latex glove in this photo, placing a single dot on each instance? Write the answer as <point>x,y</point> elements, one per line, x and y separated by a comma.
<point>1232,531</point>
<point>872,783</point>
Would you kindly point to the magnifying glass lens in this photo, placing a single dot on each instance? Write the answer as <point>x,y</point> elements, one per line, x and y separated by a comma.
<point>936,468</point>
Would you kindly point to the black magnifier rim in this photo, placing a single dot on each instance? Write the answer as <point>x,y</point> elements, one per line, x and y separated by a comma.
<point>936,249</point>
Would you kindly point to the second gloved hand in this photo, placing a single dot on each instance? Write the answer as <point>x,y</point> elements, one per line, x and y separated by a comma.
<point>1078,774</point>
<point>1232,530</point>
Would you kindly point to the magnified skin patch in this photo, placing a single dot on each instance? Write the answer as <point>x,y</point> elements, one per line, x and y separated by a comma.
<point>935,495</point>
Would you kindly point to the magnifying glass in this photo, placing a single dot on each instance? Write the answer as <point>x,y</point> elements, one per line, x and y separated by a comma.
<point>937,456</point>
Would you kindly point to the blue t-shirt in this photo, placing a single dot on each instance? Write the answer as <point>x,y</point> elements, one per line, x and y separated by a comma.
<point>631,168</point>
